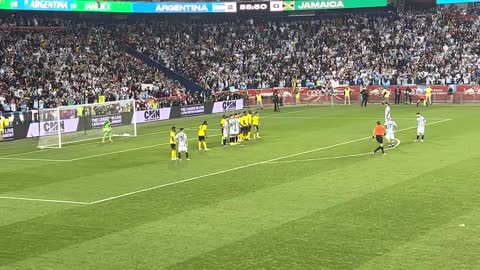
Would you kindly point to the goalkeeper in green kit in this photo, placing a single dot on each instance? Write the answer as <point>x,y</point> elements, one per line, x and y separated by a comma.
<point>107,130</point>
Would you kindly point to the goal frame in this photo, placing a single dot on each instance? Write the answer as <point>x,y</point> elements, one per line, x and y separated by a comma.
<point>58,120</point>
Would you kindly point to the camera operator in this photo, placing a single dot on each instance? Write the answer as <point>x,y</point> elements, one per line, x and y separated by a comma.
<point>365,93</point>
<point>276,101</point>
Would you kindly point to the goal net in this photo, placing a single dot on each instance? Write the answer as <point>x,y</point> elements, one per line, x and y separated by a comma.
<point>72,124</point>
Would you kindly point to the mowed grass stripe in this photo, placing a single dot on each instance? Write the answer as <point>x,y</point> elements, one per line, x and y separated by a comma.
<point>55,239</point>
<point>127,213</point>
<point>29,174</point>
<point>354,232</point>
<point>65,187</point>
<point>270,161</point>
<point>80,182</point>
<point>146,136</point>
<point>29,146</point>
<point>236,184</point>
<point>450,246</point>
<point>14,211</point>
<point>214,226</point>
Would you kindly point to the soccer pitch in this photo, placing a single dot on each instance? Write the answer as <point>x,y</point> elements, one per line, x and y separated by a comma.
<point>307,195</point>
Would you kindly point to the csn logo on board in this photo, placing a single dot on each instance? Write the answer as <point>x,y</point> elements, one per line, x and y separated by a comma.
<point>152,115</point>
<point>52,126</point>
<point>229,105</point>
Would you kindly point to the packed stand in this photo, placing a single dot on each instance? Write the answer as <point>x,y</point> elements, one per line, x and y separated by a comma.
<point>73,64</point>
<point>441,47</point>
<point>57,61</point>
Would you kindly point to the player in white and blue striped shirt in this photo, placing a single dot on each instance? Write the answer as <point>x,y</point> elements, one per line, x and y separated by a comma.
<point>182,143</point>
<point>387,111</point>
<point>390,127</point>
<point>420,127</point>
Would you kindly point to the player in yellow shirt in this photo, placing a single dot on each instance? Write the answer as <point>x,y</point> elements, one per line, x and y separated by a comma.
<point>202,136</point>
<point>428,95</point>
<point>242,119</point>
<point>258,97</point>
<point>245,126</point>
<point>173,143</point>
<point>249,125</point>
<point>222,126</point>
<point>256,123</point>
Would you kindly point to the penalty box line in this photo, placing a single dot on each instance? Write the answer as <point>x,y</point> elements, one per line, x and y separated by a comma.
<point>247,166</point>
<point>330,158</point>
<point>93,141</point>
<point>92,156</point>
<point>43,200</point>
<point>210,174</point>
<point>35,159</point>
<point>156,145</point>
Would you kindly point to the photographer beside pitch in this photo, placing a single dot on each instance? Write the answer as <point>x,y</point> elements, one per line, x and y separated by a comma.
<point>276,101</point>
<point>364,93</point>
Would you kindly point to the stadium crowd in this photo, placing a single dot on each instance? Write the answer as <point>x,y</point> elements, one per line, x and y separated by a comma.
<point>435,48</point>
<point>51,61</point>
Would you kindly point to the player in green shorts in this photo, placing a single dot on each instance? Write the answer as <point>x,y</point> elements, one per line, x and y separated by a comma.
<point>107,130</point>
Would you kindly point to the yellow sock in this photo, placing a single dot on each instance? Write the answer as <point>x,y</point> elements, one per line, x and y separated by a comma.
<point>249,134</point>
<point>205,145</point>
<point>240,136</point>
<point>424,103</point>
<point>199,145</point>
<point>174,154</point>
<point>258,134</point>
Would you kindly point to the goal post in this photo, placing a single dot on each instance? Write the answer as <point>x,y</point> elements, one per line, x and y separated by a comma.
<point>84,122</point>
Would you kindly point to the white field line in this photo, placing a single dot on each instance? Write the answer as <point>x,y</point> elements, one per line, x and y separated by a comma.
<point>224,171</point>
<point>35,159</point>
<point>129,150</point>
<point>214,173</point>
<point>275,115</point>
<point>155,145</point>
<point>42,200</point>
<point>247,166</point>
<point>89,143</point>
<point>342,118</point>
<point>139,135</point>
<point>329,158</point>
<point>318,159</point>
<point>81,158</point>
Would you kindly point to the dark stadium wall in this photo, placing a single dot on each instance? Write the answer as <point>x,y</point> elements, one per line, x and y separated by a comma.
<point>188,84</point>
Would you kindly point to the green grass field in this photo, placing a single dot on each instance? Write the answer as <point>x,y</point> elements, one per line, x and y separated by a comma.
<point>308,195</point>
